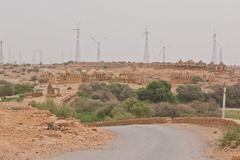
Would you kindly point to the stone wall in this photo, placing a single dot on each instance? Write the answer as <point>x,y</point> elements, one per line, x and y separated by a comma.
<point>203,121</point>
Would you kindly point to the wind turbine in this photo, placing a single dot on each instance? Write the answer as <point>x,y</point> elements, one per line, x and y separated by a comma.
<point>146,56</point>
<point>98,42</point>
<point>98,48</point>
<point>220,52</point>
<point>163,53</point>
<point>77,54</point>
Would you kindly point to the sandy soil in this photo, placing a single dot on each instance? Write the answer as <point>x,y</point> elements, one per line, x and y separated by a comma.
<point>26,133</point>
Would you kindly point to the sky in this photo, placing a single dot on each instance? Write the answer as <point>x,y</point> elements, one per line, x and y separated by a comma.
<point>186,27</point>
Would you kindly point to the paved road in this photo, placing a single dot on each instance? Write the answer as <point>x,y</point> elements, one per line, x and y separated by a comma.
<point>146,142</point>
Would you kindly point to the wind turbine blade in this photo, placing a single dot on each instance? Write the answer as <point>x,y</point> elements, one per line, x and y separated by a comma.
<point>79,23</point>
<point>106,37</point>
<point>159,55</point>
<point>161,42</point>
<point>218,44</point>
<point>94,39</point>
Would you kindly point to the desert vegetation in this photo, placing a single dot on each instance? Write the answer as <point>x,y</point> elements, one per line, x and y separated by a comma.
<point>231,139</point>
<point>102,101</point>
<point>8,89</point>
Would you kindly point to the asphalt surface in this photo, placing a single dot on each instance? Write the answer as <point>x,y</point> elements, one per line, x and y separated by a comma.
<point>146,142</point>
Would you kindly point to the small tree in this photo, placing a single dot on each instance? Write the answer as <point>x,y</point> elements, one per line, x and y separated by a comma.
<point>157,91</point>
<point>138,108</point>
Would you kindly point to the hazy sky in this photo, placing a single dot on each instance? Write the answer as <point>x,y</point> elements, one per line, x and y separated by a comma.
<point>185,26</point>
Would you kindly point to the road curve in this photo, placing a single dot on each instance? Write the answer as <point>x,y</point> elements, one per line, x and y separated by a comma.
<point>146,142</point>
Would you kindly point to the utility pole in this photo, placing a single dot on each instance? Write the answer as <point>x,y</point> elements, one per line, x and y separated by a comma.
<point>1,53</point>
<point>224,100</point>
<point>146,58</point>
<point>77,56</point>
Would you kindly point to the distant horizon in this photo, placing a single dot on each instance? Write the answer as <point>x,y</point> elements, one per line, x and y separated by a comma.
<point>186,27</point>
<point>102,62</point>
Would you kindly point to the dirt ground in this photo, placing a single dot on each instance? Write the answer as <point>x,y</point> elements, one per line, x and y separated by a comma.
<point>27,133</point>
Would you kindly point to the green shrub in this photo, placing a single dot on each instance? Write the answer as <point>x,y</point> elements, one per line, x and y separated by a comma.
<point>189,93</point>
<point>6,88</point>
<point>23,88</point>
<point>87,117</point>
<point>84,104</point>
<point>103,95</point>
<point>165,110</point>
<point>63,112</point>
<point>157,91</point>
<point>233,114</point>
<point>106,112</point>
<point>104,92</point>
<point>59,111</point>
<point>196,79</point>
<point>231,138</point>
<point>121,91</point>
<point>233,94</point>
<point>82,94</point>
<point>206,109</point>
<point>138,108</point>
<point>119,112</point>
<point>195,109</point>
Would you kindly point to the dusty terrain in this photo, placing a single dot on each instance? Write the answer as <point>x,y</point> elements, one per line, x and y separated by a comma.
<point>27,133</point>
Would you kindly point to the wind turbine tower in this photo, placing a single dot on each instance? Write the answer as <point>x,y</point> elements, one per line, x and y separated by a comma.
<point>77,54</point>
<point>9,55</point>
<point>164,54</point>
<point>20,57</point>
<point>146,58</point>
<point>34,58</point>
<point>221,55</point>
<point>214,49</point>
<point>98,49</point>
<point>1,53</point>
<point>40,57</point>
